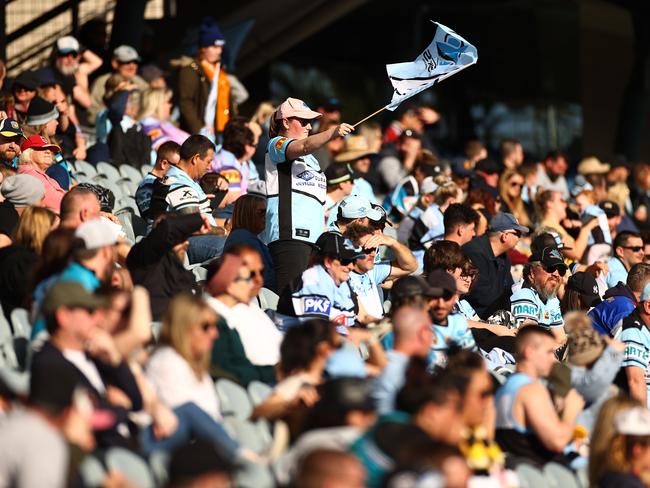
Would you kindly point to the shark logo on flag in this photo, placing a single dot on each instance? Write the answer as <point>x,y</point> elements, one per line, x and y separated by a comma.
<point>447,54</point>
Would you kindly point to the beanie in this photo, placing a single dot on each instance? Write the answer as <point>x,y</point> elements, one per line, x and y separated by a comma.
<point>22,190</point>
<point>210,34</point>
<point>40,112</point>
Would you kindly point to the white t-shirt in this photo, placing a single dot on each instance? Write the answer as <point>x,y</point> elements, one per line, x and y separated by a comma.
<point>176,383</point>
<point>365,286</point>
<point>259,335</point>
<point>87,367</point>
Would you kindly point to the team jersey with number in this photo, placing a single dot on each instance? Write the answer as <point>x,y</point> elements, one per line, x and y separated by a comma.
<point>636,337</point>
<point>296,193</point>
<point>526,304</point>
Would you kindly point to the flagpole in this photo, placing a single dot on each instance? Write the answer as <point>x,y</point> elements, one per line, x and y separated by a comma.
<point>371,115</point>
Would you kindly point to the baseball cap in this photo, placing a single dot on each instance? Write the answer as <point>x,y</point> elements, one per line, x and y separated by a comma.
<point>440,278</point>
<point>27,80</point>
<point>462,167</point>
<point>585,284</point>
<point>338,173</point>
<point>332,104</point>
<point>67,44</point>
<point>125,54</point>
<point>506,221</point>
<point>257,188</point>
<point>294,107</point>
<point>610,208</point>
<point>547,239</point>
<point>487,166</point>
<point>358,207</point>
<point>551,259</point>
<point>645,294</point>
<point>70,294</point>
<point>10,128</point>
<point>354,147</point>
<point>428,185</point>
<point>335,245</point>
<point>410,286</point>
<point>37,141</point>
<point>384,216</point>
<point>620,161</point>
<point>592,165</point>
<point>98,233</point>
<point>633,421</point>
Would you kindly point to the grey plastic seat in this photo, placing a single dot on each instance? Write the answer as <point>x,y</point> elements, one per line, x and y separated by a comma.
<point>267,299</point>
<point>110,171</point>
<point>85,168</point>
<point>531,477</point>
<point>22,327</point>
<point>234,399</point>
<point>130,172</point>
<point>258,392</point>
<point>102,180</point>
<point>132,467</point>
<point>159,465</point>
<point>92,471</point>
<point>126,219</point>
<point>8,357</point>
<point>145,169</point>
<point>560,477</point>
<point>253,475</point>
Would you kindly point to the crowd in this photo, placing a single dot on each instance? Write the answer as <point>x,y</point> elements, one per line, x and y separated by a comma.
<point>282,299</point>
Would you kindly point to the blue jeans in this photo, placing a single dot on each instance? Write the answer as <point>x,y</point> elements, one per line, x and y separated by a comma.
<point>205,248</point>
<point>193,423</point>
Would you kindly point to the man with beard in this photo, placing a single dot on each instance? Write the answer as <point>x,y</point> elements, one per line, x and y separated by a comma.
<point>536,303</point>
<point>11,137</point>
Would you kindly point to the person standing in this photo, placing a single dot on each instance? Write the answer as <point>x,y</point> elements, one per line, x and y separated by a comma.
<point>296,187</point>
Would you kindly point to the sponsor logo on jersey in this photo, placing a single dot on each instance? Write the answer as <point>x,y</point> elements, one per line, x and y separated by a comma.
<point>305,175</point>
<point>319,305</point>
<point>523,309</point>
<point>280,142</point>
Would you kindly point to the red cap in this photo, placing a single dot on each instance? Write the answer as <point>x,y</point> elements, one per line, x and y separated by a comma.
<point>38,142</point>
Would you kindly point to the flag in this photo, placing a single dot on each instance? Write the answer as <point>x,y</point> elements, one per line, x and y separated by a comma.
<point>447,54</point>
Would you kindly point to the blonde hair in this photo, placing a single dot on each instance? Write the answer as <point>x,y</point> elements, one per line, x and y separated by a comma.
<point>153,101</point>
<point>516,205</point>
<point>446,189</point>
<point>184,314</point>
<point>263,112</point>
<point>33,227</point>
<point>607,449</point>
<point>26,156</point>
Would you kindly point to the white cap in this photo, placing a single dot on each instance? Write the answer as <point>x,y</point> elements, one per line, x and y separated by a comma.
<point>98,233</point>
<point>67,44</point>
<point>428,185</point>
<point>126,54</point>
<point>633,421</point>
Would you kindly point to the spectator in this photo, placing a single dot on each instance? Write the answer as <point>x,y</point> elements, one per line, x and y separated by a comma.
<point>357,153</point>
<point>510,187</point>
<point>430,226</point>
<point>11,136</point>
<point>536,302</point>
<point>486,176</point>
<point>124,62</point>
<point>628,460</point>
<point>33,440</point>
<point>186,195</point>
<point>78,206</point>
<point>636,357</point>
<point>23,89</point>
<point>487,206</point>
<point>614,217</point>
<point>304,352</point>
<point>70,66</point>
<point>600,449</point>
<point>550,174</point>
<point>156,262</point>
<point>330,468</point>
<point>155,118</point>
<point>339,185</point>
<point>231,283</point>
<point>580,293</point>
<point>413,336</point>
<point>354,209</point>
<point>404,194</point>
<point>425,199</point>
<point>528,428</point>
<point>239,144</point>
<point>199,462</point>
<point>552,209</point>
<point>168,155</point>
<point>628,251</point>
<point>323,291</point>
<point>620,301</point>
<point>460,222</point>
<point>511,153</point>
<point>78,345</point>
<point>208,95</point>
<point>294,218</point>
<point>248,222</point>
<point>489,254</point>
<point>36,157</point>
<point>367,276</point>
<point>23,191</point>
<point>127,141</point>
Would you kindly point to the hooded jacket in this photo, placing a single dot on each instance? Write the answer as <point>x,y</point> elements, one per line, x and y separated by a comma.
<point>618,302</point>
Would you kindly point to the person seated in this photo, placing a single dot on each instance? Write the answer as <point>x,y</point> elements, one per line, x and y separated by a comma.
<point>528,427</point>
<point>628,250</point>
<point>339,186</point>
<point>356,153</point>
<point>323,291</point>
<point>127,141</point>
<point>168,155</point>
<point>36,157</point>
<point>154,117</point>
<point>354,208</point>
<point>536,301</point>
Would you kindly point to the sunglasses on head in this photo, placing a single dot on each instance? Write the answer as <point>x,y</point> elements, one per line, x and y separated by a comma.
<point>303,122</point>
<point>633,248</point>
<point>551,269</point>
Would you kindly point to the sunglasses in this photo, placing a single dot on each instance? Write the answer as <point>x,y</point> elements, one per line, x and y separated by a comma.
<point>471,275</point>
<point>303,122</point>
<point>370,250</point>
<point>516,184</point>
<point>72,54</point>
<point>551,269</point>
<point>246,279</point>
<point>633,248</point>
<point>347,262</point>
<point>514,233</point>
<point>122,63</point>
<point>206,326</point>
